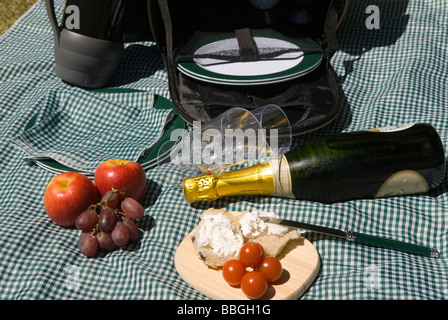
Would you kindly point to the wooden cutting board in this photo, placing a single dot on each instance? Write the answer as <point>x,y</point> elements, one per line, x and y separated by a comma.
<point>300,261</point>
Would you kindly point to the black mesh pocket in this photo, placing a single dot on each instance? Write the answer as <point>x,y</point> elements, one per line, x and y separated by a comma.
<point>233,46</point>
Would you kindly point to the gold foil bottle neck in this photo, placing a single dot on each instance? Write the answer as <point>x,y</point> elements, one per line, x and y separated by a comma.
<point>254,180</point>
<point>202,188</point>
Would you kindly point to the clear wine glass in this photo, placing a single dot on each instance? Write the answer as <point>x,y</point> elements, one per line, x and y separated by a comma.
<point>234,137</point>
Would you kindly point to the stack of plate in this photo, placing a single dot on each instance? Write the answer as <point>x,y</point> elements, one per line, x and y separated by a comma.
<point>284,67</point>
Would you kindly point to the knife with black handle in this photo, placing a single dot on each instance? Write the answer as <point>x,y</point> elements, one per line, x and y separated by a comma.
<point>360,238</point>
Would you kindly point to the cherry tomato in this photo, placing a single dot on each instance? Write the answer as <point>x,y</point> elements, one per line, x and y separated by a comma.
<point>271,268</point>
<point>233,271</point>
<point>251,254</point>
<point>262,250</point>
<point>254,285</point>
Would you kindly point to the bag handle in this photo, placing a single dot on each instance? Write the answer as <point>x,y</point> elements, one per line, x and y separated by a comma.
<point>49,4</point>
<point>330,27</point>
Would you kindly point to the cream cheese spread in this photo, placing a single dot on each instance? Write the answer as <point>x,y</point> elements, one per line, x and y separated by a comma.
<point>252,226</point>
<point>218,232</point>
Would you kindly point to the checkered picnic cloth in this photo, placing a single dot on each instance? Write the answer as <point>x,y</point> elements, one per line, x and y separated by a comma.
<point>391,75</point>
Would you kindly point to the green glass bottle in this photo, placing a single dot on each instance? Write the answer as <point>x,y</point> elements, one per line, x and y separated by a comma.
<point>392,161</point>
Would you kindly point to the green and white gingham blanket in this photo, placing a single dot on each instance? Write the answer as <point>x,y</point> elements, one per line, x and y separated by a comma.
<point>391,75</point>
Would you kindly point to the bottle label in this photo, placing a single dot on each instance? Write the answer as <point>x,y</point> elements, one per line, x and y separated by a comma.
<point>281,178</point>
<point>399,127</point>
<point>404,182</point>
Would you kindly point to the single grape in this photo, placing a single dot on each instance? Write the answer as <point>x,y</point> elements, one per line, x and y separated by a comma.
<point>87,220</point>
<point>113,201</point>
<point>88,244</point>
<point>105,241</point>
<point>132,208</point>
<point>120,234</point>
<point>134,231</point>
<point>107,219</point>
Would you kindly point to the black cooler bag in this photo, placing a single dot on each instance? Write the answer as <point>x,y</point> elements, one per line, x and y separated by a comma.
<point>197,36</point>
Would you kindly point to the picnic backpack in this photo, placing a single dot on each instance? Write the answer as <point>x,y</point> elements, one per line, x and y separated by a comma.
<point>266,51</point>
<point>198,35</point>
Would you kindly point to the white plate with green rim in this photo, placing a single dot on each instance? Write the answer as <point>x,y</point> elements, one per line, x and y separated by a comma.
<point>284,67</point>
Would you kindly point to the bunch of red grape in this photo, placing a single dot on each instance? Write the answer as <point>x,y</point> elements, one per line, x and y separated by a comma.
<point>109,224</point>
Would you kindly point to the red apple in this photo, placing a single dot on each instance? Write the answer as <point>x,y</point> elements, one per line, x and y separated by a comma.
<point>67,195</point>
<point>121,174</point>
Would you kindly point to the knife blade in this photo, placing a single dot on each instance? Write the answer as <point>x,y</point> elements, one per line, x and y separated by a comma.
<point>360,238</point>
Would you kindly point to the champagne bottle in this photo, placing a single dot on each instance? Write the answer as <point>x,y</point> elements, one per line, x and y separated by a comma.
<point>385,162</point>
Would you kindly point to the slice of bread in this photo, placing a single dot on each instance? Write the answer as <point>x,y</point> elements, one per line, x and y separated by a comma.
<point>274,244</point>
<point>222,244</point>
